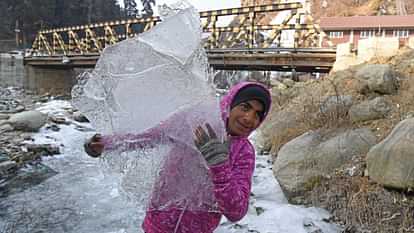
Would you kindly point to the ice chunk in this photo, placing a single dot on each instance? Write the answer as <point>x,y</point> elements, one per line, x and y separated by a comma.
<point>147,95</point>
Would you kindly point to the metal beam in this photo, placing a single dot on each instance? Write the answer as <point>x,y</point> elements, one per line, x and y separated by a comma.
<point>314,61</point>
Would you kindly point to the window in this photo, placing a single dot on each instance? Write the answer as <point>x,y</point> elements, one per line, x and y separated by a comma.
<point>336,34</point>
<point>401,33</point>
<point>367,34</point>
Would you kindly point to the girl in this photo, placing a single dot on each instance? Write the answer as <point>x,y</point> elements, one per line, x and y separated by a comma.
<point>230,164</point>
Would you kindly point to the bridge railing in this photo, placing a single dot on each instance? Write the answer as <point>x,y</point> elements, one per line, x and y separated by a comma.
<point>244,31</point>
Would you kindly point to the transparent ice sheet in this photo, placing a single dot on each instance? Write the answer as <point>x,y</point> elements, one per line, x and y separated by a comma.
<point>151,92</point>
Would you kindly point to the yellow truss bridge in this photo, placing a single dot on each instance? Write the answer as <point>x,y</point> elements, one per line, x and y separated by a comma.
<point>246,43</point>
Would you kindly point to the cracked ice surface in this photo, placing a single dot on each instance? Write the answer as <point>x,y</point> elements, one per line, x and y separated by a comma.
<point>148,94</point>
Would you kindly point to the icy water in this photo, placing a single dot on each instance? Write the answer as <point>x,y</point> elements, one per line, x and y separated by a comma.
<point>79,198</point>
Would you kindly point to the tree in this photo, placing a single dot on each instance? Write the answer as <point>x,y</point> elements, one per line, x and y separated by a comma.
<point>33,15</point>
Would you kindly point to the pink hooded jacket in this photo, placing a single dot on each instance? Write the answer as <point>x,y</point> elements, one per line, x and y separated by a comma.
<point>231,181</point>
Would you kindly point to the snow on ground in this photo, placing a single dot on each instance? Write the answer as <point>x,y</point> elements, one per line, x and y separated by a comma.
<point>269,211</point>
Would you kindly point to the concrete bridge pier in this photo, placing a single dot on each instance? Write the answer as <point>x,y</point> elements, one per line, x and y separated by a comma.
<point>54,80</point>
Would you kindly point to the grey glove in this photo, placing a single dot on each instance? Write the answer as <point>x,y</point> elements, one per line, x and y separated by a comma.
<point>213,150</point>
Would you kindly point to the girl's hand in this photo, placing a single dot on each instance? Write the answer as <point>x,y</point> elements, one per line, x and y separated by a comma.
<point>213,150</point>
<point>94,146</point>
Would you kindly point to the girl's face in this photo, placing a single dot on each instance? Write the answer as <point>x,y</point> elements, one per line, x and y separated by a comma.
<point>244,118</point>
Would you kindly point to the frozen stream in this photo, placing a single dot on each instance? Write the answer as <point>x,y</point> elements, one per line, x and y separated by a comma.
<point>82,198</point>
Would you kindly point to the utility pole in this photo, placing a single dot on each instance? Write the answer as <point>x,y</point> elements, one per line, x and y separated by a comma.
<point>90,10</point>
<point>17,31</point>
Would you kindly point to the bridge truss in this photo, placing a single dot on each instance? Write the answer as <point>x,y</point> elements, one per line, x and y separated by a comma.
<point>247,33</point>
<point>83,44</point>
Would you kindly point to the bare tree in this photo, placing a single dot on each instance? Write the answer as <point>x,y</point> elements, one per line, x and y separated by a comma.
<point>147,11</point>
<point>401,7</point>
<point>130,8</point>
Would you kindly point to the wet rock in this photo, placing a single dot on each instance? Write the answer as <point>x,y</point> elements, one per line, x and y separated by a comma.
<point>44,149</point>
<point>44,98</point>
<point>53,127</point>
<point>25,157</point>
<point>6,127</point>
<point>311,227</point>
<point>3,156</point>
<point>84,129</point>
<point>6,166</point>
<point>59,120</point>
<point>28,121</point>
<point>25,178</point>
<point>4,116</point>
<point>10,105</point>
<point>19,109</point>
<point>79,117</point>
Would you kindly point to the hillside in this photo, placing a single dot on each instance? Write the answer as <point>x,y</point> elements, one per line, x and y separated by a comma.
<point>305,136</point>
<point>328,8</point>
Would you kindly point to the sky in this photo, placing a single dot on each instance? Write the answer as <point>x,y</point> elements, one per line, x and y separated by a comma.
<point>201,5</point>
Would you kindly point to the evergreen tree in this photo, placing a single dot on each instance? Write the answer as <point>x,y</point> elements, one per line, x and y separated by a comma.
<point>33,15</point>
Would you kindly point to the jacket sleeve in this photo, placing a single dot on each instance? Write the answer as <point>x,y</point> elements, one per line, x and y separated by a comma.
<point>233,183</point>
<point>129,142</point>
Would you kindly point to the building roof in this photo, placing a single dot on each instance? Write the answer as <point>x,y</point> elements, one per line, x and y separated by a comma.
<point>364,22</point>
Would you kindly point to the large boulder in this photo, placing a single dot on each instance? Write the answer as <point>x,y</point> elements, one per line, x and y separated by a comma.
<point>391,162</point>
<point>377,78</point>
<point>28,121</point>
<point>316,154</point>
<point>278,129</point>
<point>285,121</point>
<point>370,110</point>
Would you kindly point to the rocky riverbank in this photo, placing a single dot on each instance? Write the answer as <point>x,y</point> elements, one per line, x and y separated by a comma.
<point>345,143</point>
<point>21,117</point>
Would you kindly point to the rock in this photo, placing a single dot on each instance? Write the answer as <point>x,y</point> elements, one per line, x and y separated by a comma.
<point>6,127</point>
<point>377,78</point>
<point>281,127</point>
<point>3,156</point>
<point>370,110</point>
<point>79,117</point>
<point>391,162</point>
<point>315,154</point>
<point>44,149</point>
<point>58,120</point>
<point>7,165</point>
<point>19,108</point>
<point>4,116</point>
<point>28,121</point>
<point>25,178</point>
<point>22,158</point>
<point>53,127</point>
